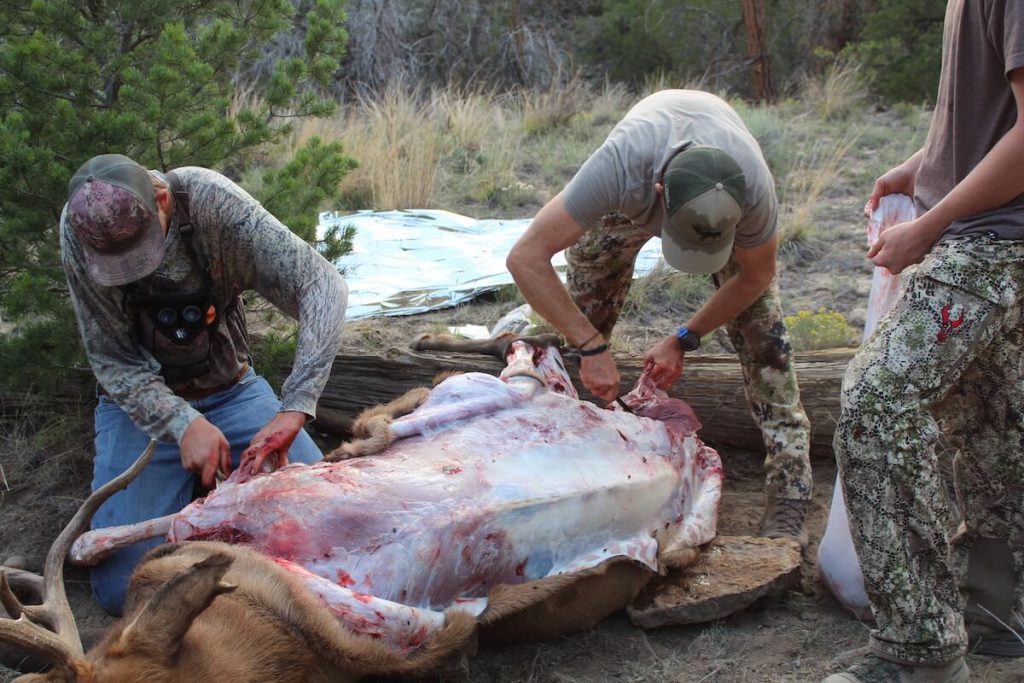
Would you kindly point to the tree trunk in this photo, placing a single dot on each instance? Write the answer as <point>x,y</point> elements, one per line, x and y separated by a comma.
<point>757,50</point>
<point>712,384</point>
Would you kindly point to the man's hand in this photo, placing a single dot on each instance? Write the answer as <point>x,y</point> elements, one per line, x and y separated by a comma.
<point>274,439</point>
<point>203,449</point>
<point>600,376</point>
<point>664,362</point>
<point>899,180</point>
<point>903,244</point>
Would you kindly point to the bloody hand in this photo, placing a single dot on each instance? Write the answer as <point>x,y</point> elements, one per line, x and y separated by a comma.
<point>270,445</point>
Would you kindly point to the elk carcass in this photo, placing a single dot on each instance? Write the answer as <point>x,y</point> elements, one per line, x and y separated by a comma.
<point>508,499</point>
<point>202,612</point>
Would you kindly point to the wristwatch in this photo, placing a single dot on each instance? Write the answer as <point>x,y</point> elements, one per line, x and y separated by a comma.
<point>688,341</point>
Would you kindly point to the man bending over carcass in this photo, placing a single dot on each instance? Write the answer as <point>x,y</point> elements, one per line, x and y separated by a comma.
<point>681,165</point>
<point>156,265</point>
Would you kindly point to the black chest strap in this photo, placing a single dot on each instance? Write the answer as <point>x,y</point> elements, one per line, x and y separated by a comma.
<point>181,213</point>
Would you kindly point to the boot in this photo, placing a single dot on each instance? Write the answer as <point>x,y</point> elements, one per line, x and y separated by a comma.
<point>989,590</point>
<point>873,669</point>
<point>785,518</point>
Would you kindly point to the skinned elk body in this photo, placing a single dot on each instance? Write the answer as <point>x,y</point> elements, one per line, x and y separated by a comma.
<point>489,499</point>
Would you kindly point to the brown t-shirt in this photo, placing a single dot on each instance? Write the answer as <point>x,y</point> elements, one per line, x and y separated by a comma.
<point>983,41</point>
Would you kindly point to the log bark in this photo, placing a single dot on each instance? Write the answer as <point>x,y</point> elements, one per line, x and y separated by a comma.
<point>711,383</point>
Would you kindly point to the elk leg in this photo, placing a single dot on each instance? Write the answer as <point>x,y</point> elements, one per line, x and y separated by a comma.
<point>93,547</point>
<point>382,431</point>
<point>403,405</point>
<point>496,395</point>
<point>497,346</point>
<point>368,615</point>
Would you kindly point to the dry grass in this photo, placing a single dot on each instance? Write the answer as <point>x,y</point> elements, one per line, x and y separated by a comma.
<point>398,142</point>
<point>608,105</point>
<point>814,174</point>
<point>47,465</point>
<point>473,119</point>
<point>837,92</point>
<point>548,110</point>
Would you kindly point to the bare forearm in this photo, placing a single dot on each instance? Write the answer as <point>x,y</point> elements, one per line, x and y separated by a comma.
<point>757,268</point>
<point>913,163</point>
<point>552,230</point>
<point>542,289</point>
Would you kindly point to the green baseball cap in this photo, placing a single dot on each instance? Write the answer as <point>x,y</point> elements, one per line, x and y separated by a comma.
<point>112,210</point>
<point>704,190</point>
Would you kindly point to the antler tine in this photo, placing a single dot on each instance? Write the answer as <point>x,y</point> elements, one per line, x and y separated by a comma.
<point>34,639</point>
<point>7,597</point>
<point>27,631</point>
<point>9,578</point>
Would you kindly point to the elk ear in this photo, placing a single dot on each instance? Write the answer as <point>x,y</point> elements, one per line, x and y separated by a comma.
<point>161,624</point>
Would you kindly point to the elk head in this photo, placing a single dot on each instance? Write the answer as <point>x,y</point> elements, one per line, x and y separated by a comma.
<point>48,630</point>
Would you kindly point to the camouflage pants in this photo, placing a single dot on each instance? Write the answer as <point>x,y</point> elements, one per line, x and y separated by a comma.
<point>949,356</point>
<point>600,271</point>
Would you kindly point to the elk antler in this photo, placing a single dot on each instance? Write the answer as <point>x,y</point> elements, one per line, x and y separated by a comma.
<point>48,630</point>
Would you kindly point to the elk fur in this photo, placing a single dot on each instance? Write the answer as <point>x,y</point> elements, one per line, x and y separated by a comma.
<point>206,611</point>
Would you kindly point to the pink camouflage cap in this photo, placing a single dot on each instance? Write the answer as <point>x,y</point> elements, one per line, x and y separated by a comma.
<point>112,210</point>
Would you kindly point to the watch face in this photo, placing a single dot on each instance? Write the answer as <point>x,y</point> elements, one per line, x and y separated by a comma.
<point>689,341</point>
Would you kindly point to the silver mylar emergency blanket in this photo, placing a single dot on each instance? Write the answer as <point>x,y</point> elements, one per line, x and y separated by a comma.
<point>413,261</point>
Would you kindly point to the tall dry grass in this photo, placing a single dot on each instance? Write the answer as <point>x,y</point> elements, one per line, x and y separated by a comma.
<point>811,143</point>
<point>838,92</point>
<point>430,150</point>
<point>543,111</point>
<point>815,172</point>
<point>503,154</point>
<point>398,142</point>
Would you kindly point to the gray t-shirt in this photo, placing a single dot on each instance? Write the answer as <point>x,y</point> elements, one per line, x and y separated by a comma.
<point>620,176</point>
<point>982,43</point>
<point>247,248</point>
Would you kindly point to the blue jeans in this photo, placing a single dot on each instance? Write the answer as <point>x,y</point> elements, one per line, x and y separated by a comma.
<point>164,487</point>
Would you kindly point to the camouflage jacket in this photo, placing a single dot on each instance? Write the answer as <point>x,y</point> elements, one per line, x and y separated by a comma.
<point>247,249</point>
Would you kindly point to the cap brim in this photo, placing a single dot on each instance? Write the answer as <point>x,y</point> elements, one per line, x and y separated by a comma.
<point>692,261</point>
<point>114,270</point>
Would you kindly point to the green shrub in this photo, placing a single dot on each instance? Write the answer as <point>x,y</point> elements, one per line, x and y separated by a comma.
<point>153,81</point>
<point>822,330</point>
<point>631,39</point>
<point>900,49</point>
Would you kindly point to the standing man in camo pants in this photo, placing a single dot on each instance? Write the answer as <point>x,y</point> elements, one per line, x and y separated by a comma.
<point>156,265</point>
<point>947,358</point>
<point>680,166</point>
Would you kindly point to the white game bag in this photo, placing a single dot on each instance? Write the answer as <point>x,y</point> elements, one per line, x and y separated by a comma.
<point>837,558</point>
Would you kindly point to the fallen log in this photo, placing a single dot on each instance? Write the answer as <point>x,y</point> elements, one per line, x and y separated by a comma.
<point>712,384</point>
